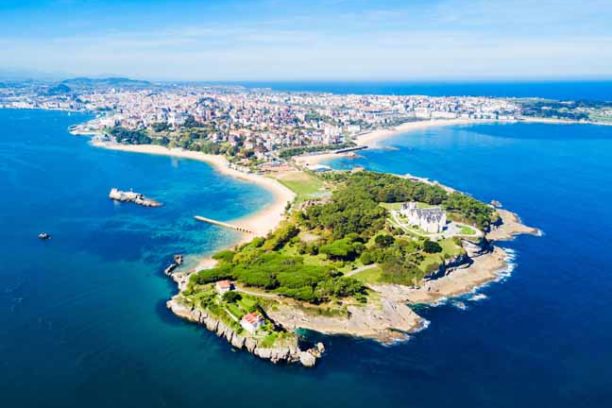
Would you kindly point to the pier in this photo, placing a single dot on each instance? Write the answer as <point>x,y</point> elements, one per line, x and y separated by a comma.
<point>223,224</point>
<point>350,149</point>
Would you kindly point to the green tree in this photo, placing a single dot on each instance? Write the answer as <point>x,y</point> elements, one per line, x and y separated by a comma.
<point>384,240</point>
<point>231,296</point>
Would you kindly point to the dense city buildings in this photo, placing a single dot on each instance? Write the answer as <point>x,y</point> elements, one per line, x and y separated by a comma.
<point>253,121</point>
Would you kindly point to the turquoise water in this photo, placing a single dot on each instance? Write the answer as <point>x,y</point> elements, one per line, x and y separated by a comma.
<point>83,321</point>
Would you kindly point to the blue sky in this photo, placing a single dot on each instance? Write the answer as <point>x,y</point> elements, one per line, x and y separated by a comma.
<point>310,40</point>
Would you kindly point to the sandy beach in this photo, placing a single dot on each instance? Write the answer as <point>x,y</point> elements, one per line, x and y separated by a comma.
<point>372,139</point>
<point>262,221</point>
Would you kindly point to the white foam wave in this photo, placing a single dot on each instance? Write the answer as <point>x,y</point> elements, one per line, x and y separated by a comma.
<point>423,326</point>
<point>478,297</point>
<point>459,305</point>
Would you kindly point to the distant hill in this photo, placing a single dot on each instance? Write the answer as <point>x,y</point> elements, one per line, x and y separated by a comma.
<point>110,82</point>
<point>59,89</point>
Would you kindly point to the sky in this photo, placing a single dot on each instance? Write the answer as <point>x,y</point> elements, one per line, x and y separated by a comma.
<point>273,40</point>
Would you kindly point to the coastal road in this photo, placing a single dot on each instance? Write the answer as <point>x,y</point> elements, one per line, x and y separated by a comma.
<point>257,293</point>
<point>360,269</point>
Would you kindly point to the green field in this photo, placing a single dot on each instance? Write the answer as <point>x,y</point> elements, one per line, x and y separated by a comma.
<point>371,275</point>
<point>449,249</point>
<point>465,230</point>
<point>304,185</point>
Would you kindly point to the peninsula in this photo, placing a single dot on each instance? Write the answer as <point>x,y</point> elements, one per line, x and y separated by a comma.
<point>337,252</point>
<point>353,251</point>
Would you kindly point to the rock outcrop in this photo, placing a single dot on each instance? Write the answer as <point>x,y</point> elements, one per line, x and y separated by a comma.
<point>288,353</point>
<point>508,226</point>
<point>384,321</point>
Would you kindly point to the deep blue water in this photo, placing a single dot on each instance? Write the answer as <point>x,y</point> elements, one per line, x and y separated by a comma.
<point>82,321</point>
<point>565,90</point>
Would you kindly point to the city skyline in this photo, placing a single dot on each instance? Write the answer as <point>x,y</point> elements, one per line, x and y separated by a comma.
<point>275,40</point>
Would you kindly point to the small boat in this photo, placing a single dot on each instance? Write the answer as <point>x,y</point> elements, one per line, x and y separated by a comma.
<point>44,236</point>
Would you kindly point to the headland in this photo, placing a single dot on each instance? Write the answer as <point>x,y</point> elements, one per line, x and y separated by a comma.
<point>295,271</point>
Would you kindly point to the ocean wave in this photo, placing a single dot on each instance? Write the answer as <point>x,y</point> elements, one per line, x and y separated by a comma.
<point>511,265</point>
<point>423,326</point>
<point>474,295</point>
<point>457,304</point>
<point>478,297</point>
<point>407,337</point>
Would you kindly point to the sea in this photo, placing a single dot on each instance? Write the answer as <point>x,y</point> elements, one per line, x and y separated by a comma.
<point>83,320</point>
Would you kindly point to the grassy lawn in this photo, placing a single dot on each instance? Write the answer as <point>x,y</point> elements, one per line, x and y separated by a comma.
<point>247,302</point>
<point>415,231</point>
<point>449,249</point>
<point>304,185</point>
<point>398,206</point>
<point>391,206</point>
<point>269,340</point>
<point>235,310</point>
<point>465,230</point>
<point>371,275</point>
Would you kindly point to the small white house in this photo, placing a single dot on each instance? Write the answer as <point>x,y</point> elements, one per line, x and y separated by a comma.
<point>224,286</point>
<point>251,322</point>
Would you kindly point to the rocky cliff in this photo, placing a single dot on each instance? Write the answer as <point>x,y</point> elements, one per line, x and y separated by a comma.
<point>288,353</point>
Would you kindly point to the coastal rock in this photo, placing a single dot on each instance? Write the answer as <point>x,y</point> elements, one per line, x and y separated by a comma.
<point>384,321</point>
<point>320,347</point>
<point>456,262</point>
<point>265,353</point>
<point>289,353</point>
<point>474,249</point>
<point>250,345</point>
<point>238,341</point>
<point>180,309</point>
<point>450,265</point>
<point>197,315</point>
<point>211,324</point>
<point>508,226</point>
<point>203,317</point>
<point>307,359</point>
<point>279,354</point>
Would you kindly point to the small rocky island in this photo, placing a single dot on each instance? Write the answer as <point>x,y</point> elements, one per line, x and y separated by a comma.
<point>350,259</point>
<point>132,197</point>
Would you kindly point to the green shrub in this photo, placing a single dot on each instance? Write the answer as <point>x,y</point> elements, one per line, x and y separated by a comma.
<point>231,296</point>
<point>224,256</point>
<point>384,241</point>
<point>431,247</point>
<point>367,258</point>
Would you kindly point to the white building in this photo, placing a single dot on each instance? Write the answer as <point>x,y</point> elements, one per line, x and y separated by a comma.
<point>251,322</point>
<point>431,220</point>
<point>224,286</point>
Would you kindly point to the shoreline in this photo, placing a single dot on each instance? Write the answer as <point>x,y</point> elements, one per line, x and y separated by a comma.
<point>373,139</point>
<point>261,221</point>
<point>393,318</point>
<point>483,270</point>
